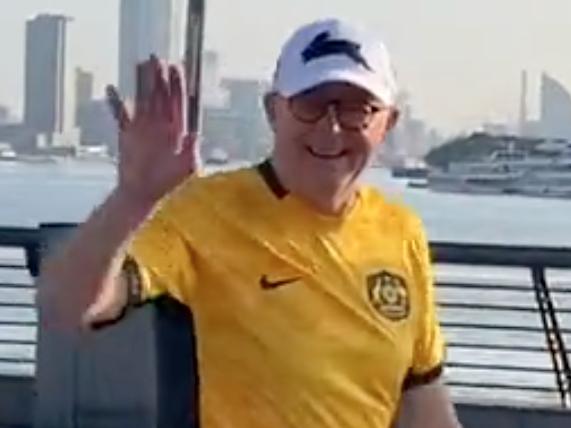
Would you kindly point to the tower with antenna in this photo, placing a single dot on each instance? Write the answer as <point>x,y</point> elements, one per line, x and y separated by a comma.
<point>522,124</point>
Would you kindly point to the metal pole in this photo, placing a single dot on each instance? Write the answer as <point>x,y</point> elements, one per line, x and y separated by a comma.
<point>553,336</point>
<point>193,61</point>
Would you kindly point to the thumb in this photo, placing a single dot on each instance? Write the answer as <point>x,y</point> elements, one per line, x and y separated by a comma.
<point>189,152</point>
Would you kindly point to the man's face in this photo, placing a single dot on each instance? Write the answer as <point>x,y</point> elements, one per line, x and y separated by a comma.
<point>326,137</point>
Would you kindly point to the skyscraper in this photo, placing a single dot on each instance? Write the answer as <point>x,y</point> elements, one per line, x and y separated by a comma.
<point>4,114</point>
<point>44,108</point>
<point>555,120</point>
<point>250,127</point>
<point>211,93</point>
<point>83,86</point>
<point>148,26</point>
<point>83,90</point>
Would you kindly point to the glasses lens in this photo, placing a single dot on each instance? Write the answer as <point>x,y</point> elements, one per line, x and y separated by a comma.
<point>306,109</point>
<point>354,116</point>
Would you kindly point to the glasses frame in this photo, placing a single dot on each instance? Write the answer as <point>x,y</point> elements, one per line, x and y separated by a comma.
<point>334,110</point>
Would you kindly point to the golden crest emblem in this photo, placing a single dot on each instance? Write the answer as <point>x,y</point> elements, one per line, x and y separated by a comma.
<point>388,295</point>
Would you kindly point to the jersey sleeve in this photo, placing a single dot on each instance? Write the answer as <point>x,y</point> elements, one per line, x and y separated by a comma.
<point>429,347</point>
<point>163,259</point>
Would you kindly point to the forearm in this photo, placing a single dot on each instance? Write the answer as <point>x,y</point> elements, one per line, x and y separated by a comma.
<point>428,406</point>
<point>80,268</point>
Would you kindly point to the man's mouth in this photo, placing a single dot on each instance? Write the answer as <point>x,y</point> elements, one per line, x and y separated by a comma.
<point>326,155</point>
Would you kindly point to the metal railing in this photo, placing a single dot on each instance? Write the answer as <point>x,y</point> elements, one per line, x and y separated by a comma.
<point>505,312</point>
<point>507,323</point>
<point>18,322</point>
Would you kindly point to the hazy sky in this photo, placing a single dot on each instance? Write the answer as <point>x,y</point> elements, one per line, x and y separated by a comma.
<point>460,60</point>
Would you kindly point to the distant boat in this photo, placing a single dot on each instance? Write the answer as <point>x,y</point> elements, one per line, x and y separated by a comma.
<point>217,157</point>
<point>8,155</point>
<point>37,159</point>
<point>414,169</point>
<point>417,184</point>
<point>93,154</point>
<point>509,171</point>
<point>409,172</point>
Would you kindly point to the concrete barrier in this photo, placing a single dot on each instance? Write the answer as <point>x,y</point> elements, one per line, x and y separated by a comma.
<point>478,416</point>
<point>139,372</point>
<point>17,399</point>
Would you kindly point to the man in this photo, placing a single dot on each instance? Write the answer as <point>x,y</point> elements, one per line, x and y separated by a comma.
<point>312,295</point>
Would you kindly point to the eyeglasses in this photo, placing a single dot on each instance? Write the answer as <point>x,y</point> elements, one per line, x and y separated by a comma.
<point>351,116</point>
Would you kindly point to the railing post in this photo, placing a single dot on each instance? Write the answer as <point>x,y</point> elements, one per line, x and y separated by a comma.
<point>553,336</point>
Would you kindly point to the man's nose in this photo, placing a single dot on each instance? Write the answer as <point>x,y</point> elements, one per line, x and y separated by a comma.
<point>332,119</point>
<point>330,131</point>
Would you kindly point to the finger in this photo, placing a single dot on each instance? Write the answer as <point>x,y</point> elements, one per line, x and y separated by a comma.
<point>117,107</point>
<point>187,142</point>
<point>140,101</point>
<point>177,104</point>
<point>160,99</point>
<point>154,61</point>
<point>154,66</point>
<point>145,86</point>
<point>188,153</point>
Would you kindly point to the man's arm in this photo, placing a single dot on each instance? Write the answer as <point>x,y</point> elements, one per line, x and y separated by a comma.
<point>425,402</point>
<point>427,406</point>
<point>81,281</point>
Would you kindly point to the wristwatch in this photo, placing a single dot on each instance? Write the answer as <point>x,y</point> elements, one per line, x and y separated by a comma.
<point>132,275</point>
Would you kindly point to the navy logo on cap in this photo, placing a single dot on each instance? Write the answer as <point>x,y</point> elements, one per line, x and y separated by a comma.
<point>323,45</point>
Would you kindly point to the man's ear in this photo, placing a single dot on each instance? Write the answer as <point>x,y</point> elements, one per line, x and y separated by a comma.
<point>270,108</point>
<point>393,119</point>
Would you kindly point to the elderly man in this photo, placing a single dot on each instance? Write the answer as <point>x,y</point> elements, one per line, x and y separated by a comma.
<point>312,294</point>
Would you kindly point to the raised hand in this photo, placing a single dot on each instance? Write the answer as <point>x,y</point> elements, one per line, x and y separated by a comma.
<point>155,154</point>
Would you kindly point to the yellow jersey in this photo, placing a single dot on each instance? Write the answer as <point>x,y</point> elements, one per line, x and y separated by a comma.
<point>302,319</point>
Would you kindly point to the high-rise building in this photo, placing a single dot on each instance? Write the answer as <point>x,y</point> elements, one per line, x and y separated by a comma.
<point>4,114</point>
<point>146,27</point>
<point>93,117</point>
<point>245,95</point>
<point>555,109</point>
<point>98,128</point>
<point>44,108</point>
<point>83,86</point>
<point>83,95</point>
<point>212,95</point>
<point>251,128</point>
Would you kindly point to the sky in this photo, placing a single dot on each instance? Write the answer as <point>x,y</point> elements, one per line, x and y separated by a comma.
<point>459,61</point>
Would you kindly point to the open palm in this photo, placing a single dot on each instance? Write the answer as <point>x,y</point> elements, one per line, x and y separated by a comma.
<point>154,153</point>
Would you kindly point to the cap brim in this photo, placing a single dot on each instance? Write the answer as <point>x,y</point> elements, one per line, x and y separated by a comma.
<point>360,79</point>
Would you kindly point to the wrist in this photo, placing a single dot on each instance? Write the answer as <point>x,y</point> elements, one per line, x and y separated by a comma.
<point>132,209</point>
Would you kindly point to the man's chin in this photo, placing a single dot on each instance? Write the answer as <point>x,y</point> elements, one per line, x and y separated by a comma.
<point>329,187</point>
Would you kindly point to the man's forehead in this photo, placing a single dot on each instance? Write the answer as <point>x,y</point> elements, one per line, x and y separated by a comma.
<point>340,89</point>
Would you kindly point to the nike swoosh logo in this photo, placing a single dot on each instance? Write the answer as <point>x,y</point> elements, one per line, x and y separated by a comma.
<point>266,284</point>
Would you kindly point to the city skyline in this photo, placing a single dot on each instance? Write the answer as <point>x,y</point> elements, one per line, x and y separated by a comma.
<point>455,83</point>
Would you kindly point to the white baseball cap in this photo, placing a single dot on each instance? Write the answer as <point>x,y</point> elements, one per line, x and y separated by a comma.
<point>332,50</point>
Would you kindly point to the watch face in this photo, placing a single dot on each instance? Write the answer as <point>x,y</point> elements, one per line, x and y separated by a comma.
<point>133,277</point>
